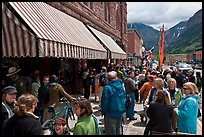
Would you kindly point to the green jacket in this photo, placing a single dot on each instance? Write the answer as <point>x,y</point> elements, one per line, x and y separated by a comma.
<point>85,126</point>
<point>177,97</point>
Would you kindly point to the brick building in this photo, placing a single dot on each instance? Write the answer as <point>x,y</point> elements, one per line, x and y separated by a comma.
<point>38,35</point>
<point>195,56</point>
<point>134,48</point>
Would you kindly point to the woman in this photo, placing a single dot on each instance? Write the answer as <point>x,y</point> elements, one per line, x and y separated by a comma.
<point>23,122</point>
<point>8,99</point>
<point>60,127</point>
<point>87,123</point>
<point>158,84</point>
<point>188,109</point>
<point>159,112</point>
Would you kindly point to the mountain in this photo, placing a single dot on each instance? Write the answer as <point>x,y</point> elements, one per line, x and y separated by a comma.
<point>184,37</point>
<point>173,33</point>
<point>148,34</point>
<point>190,37</point>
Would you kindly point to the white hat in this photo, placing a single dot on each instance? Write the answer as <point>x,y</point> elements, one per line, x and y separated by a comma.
<point>12,71</point>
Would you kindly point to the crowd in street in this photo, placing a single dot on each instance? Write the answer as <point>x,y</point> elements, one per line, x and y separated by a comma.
<point>169,98</point>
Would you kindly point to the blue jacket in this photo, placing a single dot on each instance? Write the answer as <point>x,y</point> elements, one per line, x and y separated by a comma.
<point>113,99</point>
<point>187,114</point>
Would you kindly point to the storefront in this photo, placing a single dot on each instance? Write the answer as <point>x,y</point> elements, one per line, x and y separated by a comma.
<point>38,31</point>
<point>38,36</point>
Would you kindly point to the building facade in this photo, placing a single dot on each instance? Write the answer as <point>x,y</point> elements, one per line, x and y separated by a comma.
<point>55,49</point>
<point>134,48</point>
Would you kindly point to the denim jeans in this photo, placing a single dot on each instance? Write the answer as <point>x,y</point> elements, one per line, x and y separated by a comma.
<point>113,126</point>
<point>130,113</point>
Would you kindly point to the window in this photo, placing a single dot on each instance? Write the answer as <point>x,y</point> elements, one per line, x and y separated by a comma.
<point>107,12</point>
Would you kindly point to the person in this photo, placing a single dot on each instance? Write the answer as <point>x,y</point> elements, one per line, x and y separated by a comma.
<point>43,95</point>
<point>190,76</point>
<point>23,122</point>
<point>120,75</point>
<point>188,109</point>
<point>102,83</point>
<point>86,83</point>
<point>180,78</point>
<point>35,87</point>
<point>36,83</point>
<point>174,92</point>
<point>176,96</point>
<point>87,123</point>
<point>113,105</point>
<point>146,87</point>
<point>130,87</point>
<point>198,81</point>
<point>142,78</point>
<point>60,127</point>
<point>158,84</point>
<point>159,112</point>
<point>93,79</point>
<point>55,92</point>
<point>17,81</point>
<point>8,100</point>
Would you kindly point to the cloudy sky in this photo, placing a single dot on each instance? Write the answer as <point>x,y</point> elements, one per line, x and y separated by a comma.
<point>157,13</point>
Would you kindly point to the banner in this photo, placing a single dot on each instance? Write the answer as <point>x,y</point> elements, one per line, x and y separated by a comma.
<point>161,47</point>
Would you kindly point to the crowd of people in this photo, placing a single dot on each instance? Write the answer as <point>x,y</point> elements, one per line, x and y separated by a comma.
<point>169,98</point>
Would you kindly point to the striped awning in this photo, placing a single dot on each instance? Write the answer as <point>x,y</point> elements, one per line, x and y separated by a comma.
<point>58,34</point>
<point>115,49</point>
<point>17,41</point>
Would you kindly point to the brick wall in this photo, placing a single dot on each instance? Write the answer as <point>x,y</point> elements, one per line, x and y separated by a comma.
<point>134,43</point>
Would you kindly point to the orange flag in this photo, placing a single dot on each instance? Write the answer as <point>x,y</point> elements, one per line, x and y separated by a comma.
<point>161,48</point>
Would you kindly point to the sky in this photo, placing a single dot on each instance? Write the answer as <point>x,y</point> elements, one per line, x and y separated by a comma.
<point>157,13</point>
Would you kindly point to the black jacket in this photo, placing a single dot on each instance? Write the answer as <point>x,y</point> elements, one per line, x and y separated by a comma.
<point>23,125</point>
<point>160,117</point>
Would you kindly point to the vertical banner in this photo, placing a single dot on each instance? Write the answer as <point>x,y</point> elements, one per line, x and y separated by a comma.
<point>161,48</point>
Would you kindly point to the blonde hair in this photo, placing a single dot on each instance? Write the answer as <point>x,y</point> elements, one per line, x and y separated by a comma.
<point>192,87</point>
<point>24,104</point>
<point>160,82</point>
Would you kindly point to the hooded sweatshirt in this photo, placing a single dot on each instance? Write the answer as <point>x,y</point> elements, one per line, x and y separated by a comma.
<point>113,99</point>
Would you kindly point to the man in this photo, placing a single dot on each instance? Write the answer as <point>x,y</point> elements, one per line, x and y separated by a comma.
<point>113,105</point>
<point>43,95</point>
<point>102,82</point>
<point>8,99</point>
<point>180,78</point>
<point>17,81</point>
<point>130,87</point>
<point>56,91</point>
<point>120,75</point>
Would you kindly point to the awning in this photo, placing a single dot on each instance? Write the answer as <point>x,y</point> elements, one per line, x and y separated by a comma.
<point>58,34</point>
<point>17,41</point>
<point>115,49</point>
